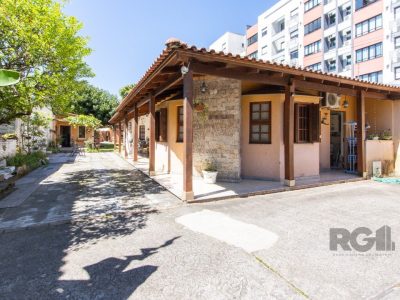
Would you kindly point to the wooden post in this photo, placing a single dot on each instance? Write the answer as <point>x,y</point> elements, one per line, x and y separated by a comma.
<point>361,163</point>
<point>135,134</point>
<point>114,136</point>
<point>188,136</point>
<point>288,134</point>
<point>126,137</point>
<point>152,142</point>
<point>119,137</point>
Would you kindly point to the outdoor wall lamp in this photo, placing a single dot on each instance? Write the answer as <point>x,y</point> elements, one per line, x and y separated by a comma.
<point>345,103</point>
<point>184,70</point>
<point>203,87</point>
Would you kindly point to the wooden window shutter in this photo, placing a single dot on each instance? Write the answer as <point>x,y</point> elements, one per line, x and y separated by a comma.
<point>157,123</point>
<point>315,123</point>
<point>296,122</point>
<point>163,124</point>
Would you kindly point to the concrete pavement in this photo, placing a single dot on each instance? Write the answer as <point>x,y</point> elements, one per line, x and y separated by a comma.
<point>149,253</point>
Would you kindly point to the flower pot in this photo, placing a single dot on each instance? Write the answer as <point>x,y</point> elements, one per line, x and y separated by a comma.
<point>375,138</point>
<point>199,107</point>
<point>210,176</point>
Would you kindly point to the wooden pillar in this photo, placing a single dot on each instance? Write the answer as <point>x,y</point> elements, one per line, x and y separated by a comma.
<point>135,134</point>
<point>115,135</point>
<point>288,134</point>
<point>119,137</point>
<point>361,163</point>
<point>188,136</point>
<point>126,137</point>
<point>152,142</point>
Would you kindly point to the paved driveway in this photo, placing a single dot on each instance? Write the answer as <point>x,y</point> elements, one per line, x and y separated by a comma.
<point>264,247</point>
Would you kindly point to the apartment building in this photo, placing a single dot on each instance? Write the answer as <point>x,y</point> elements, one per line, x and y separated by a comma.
<point>358,38</point>
<point>230,42</point>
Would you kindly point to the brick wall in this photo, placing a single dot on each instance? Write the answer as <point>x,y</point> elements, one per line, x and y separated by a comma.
<point>216,131</point>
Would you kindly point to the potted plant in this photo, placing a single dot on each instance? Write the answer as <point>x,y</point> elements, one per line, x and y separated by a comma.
<point>386,135</point>
<point>199,106</point>
<point>209,172</point>
<point>373,136</point>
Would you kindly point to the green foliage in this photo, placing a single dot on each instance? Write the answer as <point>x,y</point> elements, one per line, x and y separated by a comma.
<point>9,136</point>
<point>83,120</point>
<point>31,160</point>
<point>96,102</point>
<point>124,91</point>
<point>8,77</point>
<point>43,45</point>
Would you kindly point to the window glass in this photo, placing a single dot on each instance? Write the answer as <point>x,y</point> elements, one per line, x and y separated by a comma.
<point>260,122</point>
<point>81,132</point>
<point>180,124</point>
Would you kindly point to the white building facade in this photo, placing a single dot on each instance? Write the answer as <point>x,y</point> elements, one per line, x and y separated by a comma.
<point>230,42</point>
<point>358,38</point>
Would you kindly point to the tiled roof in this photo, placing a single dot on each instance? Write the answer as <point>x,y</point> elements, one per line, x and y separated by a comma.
<point>173,45</point>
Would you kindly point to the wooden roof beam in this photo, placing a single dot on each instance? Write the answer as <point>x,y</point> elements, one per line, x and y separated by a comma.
<point>234,74</point>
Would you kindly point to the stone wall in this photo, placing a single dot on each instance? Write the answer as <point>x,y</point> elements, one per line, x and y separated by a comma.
<point>216,130</point>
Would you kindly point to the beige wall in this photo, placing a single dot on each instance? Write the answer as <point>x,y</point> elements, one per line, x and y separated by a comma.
<point>267,160</point>
<point>378,151</point>
<point>169,156</point>
<point>263,161</point>
<point>378,114</point>
<point>396,135</point>
<point>306,156</point>
<point>74,133</point>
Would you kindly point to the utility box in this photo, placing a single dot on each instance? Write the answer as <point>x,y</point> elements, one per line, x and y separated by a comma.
<point>377,168</point>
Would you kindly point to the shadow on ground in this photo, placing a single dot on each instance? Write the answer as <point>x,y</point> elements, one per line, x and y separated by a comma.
<point>108,204</point>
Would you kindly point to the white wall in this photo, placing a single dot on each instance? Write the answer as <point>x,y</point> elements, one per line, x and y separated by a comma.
<point>230,43</point>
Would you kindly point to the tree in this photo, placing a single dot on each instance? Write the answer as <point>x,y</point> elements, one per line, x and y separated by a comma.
<point>34,127</point>
<point>83,120</point>
<point>8,77</point>
<point>124,91</point>
<point>43,45</point>
<point>94,101</point>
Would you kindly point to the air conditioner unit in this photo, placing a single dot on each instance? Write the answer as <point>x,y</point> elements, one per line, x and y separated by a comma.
<point>331,100</point>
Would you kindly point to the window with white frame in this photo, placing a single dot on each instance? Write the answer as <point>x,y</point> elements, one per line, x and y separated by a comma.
<point>331,18</point>
<point>347,60</point>
<point>369,52</point>
<point>397,42</point>
<point>312,48</point>
<point>315,67</point>
<point>331,65</point>
<point>397,11</point>
<point>372,77</point>
<point>311,4</point>
<point>294,34</point>
<point>294,54</point>
<point>331,42</point>
<point>369,25</point>
<point>264,50</point>
<point>312,26</point>
<point>347,35</point>
<point>264,31</point>
<point>294,12</point>
<point>397,73</point>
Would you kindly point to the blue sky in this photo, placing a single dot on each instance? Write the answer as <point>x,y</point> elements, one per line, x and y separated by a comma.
<point>127,35</point>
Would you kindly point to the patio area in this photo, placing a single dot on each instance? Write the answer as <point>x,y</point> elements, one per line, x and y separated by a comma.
<point>204,192</point>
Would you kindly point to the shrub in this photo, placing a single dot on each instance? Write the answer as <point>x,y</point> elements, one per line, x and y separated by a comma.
<point>31,160</point>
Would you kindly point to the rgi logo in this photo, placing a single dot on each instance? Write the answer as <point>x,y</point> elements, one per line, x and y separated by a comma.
<point>360,239</point>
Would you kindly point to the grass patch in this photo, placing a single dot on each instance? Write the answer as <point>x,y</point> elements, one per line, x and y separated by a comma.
<point>31,160</point>
<point>91,150</point>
